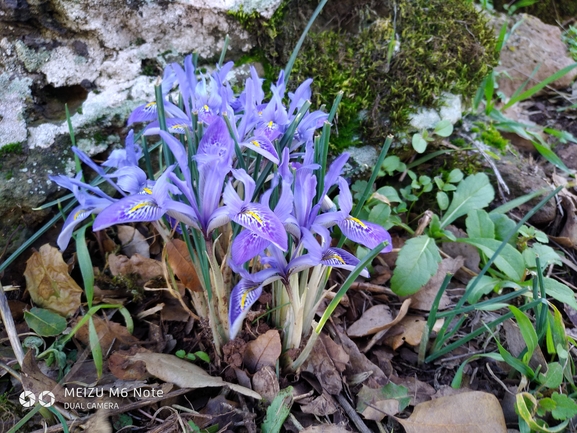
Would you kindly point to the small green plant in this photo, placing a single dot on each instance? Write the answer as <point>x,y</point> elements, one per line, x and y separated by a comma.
<point>443,128</point>
<point>189,356</point>
<point>11,149</point>
<point>570,39</point>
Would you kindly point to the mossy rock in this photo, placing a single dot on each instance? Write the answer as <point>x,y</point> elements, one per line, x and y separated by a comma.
<point>549,11</point>
<point>387,59</point>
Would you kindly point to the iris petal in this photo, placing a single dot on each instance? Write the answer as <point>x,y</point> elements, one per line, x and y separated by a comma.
<point>263,146</point>
<point>365,233</point>
<point>263,221</point>
<point>137,208</point>
<point>339,258</point>
<point>246,246</point>
<point>243,296</point>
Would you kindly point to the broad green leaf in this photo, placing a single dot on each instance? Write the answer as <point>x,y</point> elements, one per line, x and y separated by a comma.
<point>526,413</point>
<point>560,292</point>
<point>444,128</point>
<point>527,331</point>
<point>419,143</point>
<point>485,286</point>
<point>380,214</point>
<point>503,226</point>
<point>278,410</point>
<point>442,200</point>
<point>554,376</point>
<point>566,407</point>
<point>479,225</point>
<point>509,261</point>
<point>389,192</point>
<point>455,176</point>
<point>44,322</point>
<point>474,192</point>
<point>418,261</point>
<point>547,256</point>
<point>391,164</point>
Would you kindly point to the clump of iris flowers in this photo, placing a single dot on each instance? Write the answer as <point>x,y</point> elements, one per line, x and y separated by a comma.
<point>245,183</point>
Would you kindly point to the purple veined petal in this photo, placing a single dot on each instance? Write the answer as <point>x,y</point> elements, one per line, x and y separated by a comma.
<point>242,297</point>
<point>231,199</point>
<point>168,80</point>
<point>247,245</point>
<point>303,262</point>
<point>143,113</point>
<point>76,216</point>
<point>284,207</point>
<point>131,179</point>
<point>339,258</point>
<point>263,221</point>
<point>264,147</point>
<point>366,233</point>
<point>284,169</point>
<point>174,125</point>
<point>131,209</point>
<point>216,139</point>
<point>181,212</point>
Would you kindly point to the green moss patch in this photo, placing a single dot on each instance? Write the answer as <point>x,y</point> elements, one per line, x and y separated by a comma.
<point>11,149</point>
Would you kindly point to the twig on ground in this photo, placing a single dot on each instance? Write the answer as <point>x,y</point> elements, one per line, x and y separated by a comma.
<point>8,321</point>
<point>352,414</point>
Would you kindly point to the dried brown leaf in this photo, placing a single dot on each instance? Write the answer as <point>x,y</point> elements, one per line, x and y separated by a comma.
<point>360,364</point>
<point>266,383</point>
<point>146,268</point>
<point>371,322</point>
<point>424,298</point>
<point>320,364</point>
<point>325,428</point>
<point>185,374</point>
<point>264,351</point>
<point>409,330</point>
<point>323,405</point>
<point>516,344</point>
<point>374,405</point>
<point>49,284</point>
<point>180,262</point>
<point>108,334</point>
<point>337,353</point>
<point>471,412</point>
<point>133,242</point>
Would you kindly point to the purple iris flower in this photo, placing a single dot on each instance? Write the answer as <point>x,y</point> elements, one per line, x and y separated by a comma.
<point>255,217</point>
<point>125,157</point>
<point>88,205</point>
<point>145,207</point>
<point>149,111</point>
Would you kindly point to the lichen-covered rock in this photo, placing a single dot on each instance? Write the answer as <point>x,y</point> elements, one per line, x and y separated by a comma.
<point>524,176</point>
<point>535,49</point>
<point>101,58</point>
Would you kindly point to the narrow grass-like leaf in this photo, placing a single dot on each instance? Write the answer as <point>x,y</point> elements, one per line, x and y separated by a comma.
<point>223,51</point>
<point>95,347</point>
<point>375,173</point>
<point>44,322</point>
<point>347,283</point>
<point>289,66</point>
<point>85,264</point>
<point>509,260</point>
<point>515,203</point>
<point>458,378</point>
<point>551,156</point>
<point>127,319</point>
<point>529,93</point>
<point>527,331</point>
